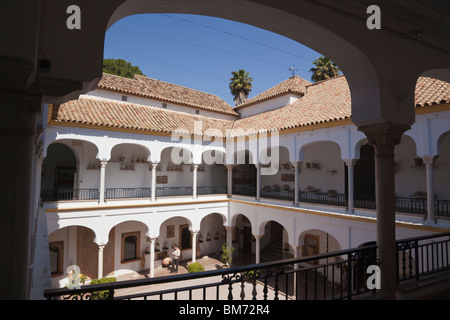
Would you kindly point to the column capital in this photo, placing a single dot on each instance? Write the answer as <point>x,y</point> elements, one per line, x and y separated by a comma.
<point>295,164</point>
<point>429,160</point>
<point>103,163</point>
<point>350,162</point>
<point>229,166</point>
<point>384,136</point>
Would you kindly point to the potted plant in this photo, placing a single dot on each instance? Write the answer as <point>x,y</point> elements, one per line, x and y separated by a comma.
<point>227,254</point>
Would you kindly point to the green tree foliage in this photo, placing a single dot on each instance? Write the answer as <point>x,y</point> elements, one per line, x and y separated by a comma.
<point>324,69</point>
<point>121,68</point>
<point>240,86</point>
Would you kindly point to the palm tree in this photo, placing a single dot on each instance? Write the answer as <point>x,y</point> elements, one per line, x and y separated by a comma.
<point>323,69</point>
<point>240,86</point>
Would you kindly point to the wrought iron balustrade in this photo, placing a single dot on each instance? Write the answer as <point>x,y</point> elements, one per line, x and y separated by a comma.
<point>211,190</point>
<point>277,194</point>
<point>422,256</point>
<point>173,191</point>
<point>338,275</point>
<point>244,190</point>
<point>120,193</point>
<point>443,208</point>
<point>69,194</point>
<point>336,199</point>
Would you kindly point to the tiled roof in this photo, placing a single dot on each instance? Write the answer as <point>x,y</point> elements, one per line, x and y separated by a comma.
<point>293,85</point>
<point>430,91</point>
<point>164,91</point>
<point>323,102</point>
<point>123,115</point>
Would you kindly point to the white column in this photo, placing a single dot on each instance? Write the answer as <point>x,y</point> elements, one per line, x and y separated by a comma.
<point>152,257</point>
<point>258,247</point>
<point>229,179</point>
<point>258,181</point>
<point>350,165</point>
<point>428,161</point>
<point>154,165</point>
<point>229,236</point>
<point>102,181</point>
<point>296,255</point>
<point>194,245</point>
<point>100,260</point>
<point>296,183</point>
<point>194,183</point>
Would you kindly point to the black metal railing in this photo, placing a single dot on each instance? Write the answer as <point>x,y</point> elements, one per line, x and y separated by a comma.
<point>212,190</point>
<point>278,194</point>
<point>244,190</point>
<point>443,208</point>
<point>331,276</point>
<point>336,199</point>
<point>70,194</point>
<point>421,256</point>
<point>173,191</point>
<point>364,201</point>
<point>411,205</point>
<point>120,193</point>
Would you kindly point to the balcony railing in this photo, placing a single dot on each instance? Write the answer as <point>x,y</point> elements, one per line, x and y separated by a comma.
<point>120,193</point>
<point>70,194</point>
<point>403,204</point>
<point>332,276</point>
<point>421,256</point>
<point>443,208</point>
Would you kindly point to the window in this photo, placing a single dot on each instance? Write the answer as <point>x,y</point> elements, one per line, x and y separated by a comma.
<point>56,258</point>
<point>130,246</point>
<point>124,98</point>
<point>164,105</point>
<point>197,111</point>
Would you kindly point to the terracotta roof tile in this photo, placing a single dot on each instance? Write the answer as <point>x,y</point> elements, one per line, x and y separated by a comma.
<point>116,114</point>
<point>293,85</point>
<point>431,91</point>
<point>164,91</point>
<point>323,102</point>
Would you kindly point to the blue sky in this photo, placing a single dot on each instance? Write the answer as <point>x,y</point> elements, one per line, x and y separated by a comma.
<point>200,52</point>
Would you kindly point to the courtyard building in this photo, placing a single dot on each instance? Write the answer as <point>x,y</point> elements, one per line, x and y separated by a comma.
<point>138,165</point>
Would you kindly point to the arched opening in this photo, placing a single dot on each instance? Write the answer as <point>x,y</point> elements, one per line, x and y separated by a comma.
<point>174,172</point>
<point>212,235</point>
<point>322,176</point>
<point>127,173</point>
<point>281,184</point>
<point>75,245</point>
<point>212,175</point>
<point>243,240</point>
<point>244,174</point>
<point>70,171</point>
<point>274,242</point>
<point>59,173</point>
<point>364,178</point>
<point>175,231</point>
